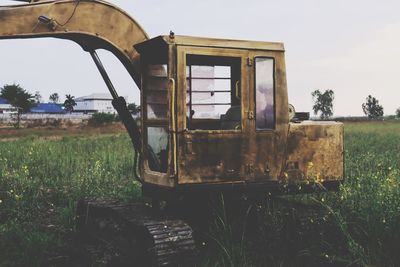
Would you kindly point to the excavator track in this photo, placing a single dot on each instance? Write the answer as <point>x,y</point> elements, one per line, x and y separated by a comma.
<point>134,236</point>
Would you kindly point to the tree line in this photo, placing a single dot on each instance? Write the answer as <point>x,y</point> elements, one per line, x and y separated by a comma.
<point>323,104</point>
<point>25,101</point>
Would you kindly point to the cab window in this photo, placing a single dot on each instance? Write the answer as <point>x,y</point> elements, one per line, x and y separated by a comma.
<point>156,100</point>
<point>213,93</point>
<point>265,93</point>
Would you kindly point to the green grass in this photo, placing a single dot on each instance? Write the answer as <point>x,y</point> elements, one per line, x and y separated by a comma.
<point>369,201</point>
<point>41,180</point>
<point>365,213</point>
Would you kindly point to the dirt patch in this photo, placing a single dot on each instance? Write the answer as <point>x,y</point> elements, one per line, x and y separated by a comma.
<point>8,134</point>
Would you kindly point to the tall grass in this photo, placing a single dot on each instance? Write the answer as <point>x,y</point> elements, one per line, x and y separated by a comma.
<point>364,214</point>
<point>41,182</point>
<point>369,200</point>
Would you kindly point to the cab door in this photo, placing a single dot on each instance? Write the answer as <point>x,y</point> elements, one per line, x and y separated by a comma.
<point>211,136</point>
<point>268,127</point>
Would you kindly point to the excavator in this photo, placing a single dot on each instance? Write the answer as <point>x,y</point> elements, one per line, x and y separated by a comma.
<point>215,118</point>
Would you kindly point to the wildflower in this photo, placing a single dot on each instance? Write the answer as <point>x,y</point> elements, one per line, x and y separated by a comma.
<point>310,165</point>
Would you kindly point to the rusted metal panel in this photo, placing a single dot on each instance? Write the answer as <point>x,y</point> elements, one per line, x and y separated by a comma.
<point>211,157</point>
<point>314,152</point>
<point>225,43</point>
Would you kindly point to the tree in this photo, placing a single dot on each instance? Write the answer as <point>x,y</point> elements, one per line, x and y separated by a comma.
<point>133,108</point>
<point>54,98</point>
<point>398,113</point>
<point>323,102</point>
<point>38,97</point>
<point>19,98</point>
<point>69,103</point>
<point>372,108</point>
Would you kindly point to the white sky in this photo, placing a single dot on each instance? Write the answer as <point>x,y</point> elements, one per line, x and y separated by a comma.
<point>351,47</point>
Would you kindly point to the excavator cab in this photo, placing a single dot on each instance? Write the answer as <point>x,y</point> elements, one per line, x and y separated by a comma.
<point>215,115</point>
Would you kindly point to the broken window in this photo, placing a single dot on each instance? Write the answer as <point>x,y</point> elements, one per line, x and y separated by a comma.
<point>156,91</point>
<point>156,101</point>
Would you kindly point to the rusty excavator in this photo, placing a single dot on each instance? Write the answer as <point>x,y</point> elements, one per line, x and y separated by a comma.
<point>215,119</point>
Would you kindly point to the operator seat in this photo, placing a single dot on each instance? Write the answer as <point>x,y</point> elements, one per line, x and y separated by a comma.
<point>232,119</point>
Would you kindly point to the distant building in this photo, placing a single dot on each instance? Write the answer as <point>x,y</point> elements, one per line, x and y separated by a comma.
<point>6,107</point>
<point>94,103</point>
<point>49,108</point>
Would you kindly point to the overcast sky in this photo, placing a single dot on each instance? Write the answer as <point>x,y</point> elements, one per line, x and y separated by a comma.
<point>349,46</point>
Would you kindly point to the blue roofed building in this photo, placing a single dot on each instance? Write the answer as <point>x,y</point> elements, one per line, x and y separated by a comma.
<point>6,107</point>
<point>49,108</point>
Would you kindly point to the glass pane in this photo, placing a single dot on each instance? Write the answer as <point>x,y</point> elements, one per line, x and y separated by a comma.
<point>202,71</point>
<point>156,91</point>
<point>157,97</point>
<point>265,102</point>
<point>157,111</point>
<point>157,138</point>
<point>211,71</point>
<point>158,70</point>
<point>187,71</point>
<point>156,83</point>
<point>203,84</point>
<point>222,85</point>
<point>211,98</point>
<point>222,72</point>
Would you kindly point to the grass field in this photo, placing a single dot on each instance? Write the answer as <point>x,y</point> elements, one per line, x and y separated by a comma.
<point>42,179</point>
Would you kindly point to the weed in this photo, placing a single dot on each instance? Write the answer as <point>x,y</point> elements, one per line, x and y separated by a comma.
<point>41,180</point>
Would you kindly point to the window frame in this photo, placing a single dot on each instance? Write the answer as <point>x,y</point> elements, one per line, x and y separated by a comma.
<point>213,54</point>
<point>162,122</point>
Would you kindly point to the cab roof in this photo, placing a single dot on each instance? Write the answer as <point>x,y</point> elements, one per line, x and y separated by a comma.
<point>165,40</point>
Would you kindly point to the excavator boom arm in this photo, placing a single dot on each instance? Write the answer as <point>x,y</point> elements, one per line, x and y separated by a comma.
<point>93,24</point>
